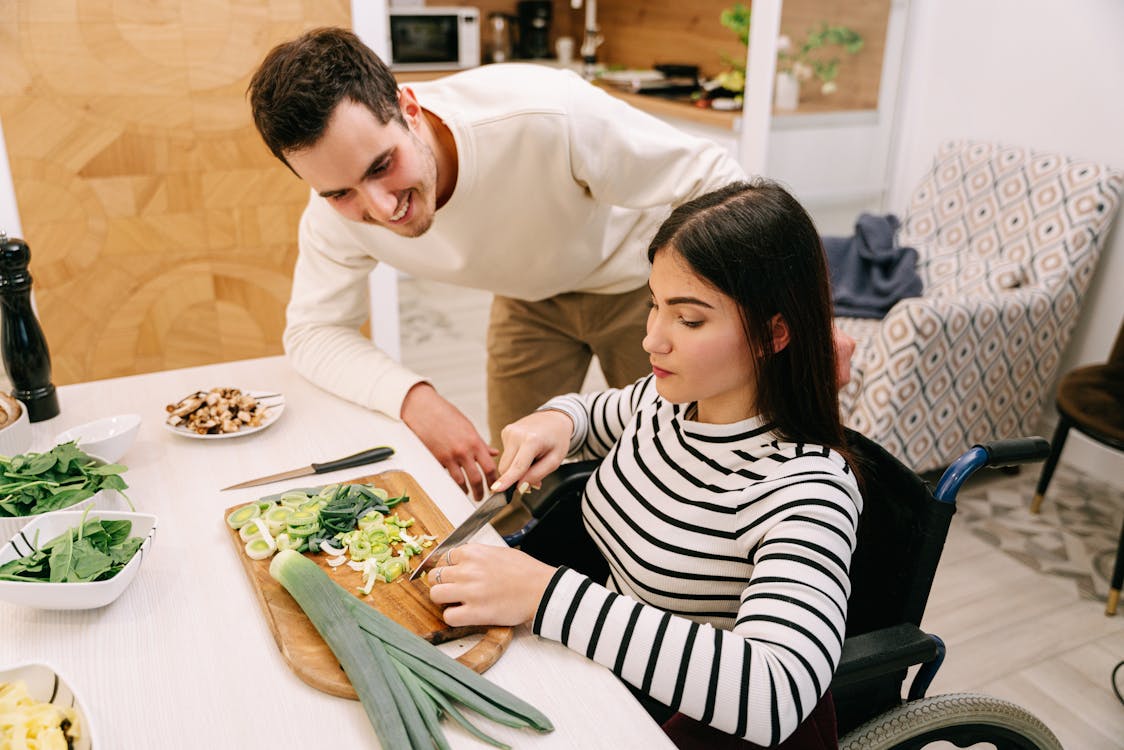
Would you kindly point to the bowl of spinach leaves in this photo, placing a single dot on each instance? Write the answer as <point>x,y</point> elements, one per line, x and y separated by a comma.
<point>65,477</point>
<point>75,559</point>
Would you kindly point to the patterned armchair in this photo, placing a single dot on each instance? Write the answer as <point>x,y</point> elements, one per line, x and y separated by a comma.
<point>1007,241</point>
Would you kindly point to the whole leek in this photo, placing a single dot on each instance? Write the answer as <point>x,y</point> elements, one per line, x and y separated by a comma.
<point>403,682</point>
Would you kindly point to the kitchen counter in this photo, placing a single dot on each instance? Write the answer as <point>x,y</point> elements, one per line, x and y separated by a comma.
<point>185,658</point>
<point>662,107</point>
<point>815,113</point>
<point>653,105</point>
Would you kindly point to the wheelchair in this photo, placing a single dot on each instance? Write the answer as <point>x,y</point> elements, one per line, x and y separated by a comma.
<point>901,534</point>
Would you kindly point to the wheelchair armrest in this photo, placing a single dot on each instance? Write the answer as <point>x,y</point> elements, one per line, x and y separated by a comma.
<point>565,480</point>
<point>883,651</point>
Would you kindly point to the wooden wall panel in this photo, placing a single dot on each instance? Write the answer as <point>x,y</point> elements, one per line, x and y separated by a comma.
<point>641,33</point>
<point>162,231</point>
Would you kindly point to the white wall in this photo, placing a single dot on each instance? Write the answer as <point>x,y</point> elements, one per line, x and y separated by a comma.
<point>9,213</point>
<point>1039,73</point>
<point>837,163</point>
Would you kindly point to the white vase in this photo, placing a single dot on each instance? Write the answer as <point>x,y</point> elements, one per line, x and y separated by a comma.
<point>786,95</point>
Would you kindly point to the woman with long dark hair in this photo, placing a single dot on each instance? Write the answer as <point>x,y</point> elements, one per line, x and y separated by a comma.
<point>724,506</point>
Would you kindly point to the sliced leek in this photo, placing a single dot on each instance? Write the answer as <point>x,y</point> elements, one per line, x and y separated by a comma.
<point>238,517</point>
<point>260,548</point>
<point>253,529</point>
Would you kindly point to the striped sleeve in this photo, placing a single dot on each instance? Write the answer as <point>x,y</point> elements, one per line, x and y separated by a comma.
<point>760,679</point>
<point>600,418</point>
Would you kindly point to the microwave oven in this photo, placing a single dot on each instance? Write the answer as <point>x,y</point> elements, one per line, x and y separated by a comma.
<point>434,38</point>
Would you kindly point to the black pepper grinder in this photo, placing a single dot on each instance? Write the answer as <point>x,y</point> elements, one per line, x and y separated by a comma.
<point>22,343</point>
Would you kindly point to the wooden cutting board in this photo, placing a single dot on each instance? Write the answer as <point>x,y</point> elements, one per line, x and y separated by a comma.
<point>404,601</point>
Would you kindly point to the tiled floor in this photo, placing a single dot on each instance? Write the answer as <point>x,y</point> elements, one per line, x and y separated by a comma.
<point>1012,632</point>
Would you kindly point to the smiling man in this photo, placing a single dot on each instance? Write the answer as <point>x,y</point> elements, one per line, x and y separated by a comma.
<point>521,180</point>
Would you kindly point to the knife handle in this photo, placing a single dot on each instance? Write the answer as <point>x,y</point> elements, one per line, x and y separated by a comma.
<point>368,456</point>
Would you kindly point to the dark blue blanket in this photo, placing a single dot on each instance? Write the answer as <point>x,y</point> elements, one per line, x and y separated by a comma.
<point>870,271</point>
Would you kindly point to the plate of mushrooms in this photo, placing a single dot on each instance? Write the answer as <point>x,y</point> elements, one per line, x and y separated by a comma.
<point>221,413</point>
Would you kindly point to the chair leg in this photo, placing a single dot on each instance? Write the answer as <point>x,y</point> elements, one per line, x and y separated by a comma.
<point>1117,578</point>
<point>1051,463</point>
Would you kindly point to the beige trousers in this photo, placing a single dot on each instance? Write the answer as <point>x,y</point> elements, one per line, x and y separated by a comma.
<point>537,350</point>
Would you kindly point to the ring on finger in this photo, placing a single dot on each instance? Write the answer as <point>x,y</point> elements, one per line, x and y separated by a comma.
<point>449,557</point>
<point>437,576</point>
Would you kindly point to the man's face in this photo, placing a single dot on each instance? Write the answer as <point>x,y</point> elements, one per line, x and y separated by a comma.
<point>373,173</point>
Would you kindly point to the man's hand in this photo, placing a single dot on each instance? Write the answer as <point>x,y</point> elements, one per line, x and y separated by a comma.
<point>844,351</point>
<point>485,585</point>
<point>451,438</point>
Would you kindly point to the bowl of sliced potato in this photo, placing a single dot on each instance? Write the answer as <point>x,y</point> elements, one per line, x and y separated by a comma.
<point>42,710</point>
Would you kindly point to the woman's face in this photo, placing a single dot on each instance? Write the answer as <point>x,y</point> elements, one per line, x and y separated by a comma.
<point>697,344</point>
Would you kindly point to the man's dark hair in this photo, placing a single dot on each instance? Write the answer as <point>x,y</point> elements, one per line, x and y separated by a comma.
<point>299,84</point>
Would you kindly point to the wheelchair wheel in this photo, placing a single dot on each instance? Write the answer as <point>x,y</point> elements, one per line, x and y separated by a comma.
<point>962,719</point>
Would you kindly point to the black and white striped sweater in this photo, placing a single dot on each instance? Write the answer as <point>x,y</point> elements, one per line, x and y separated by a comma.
<point>728,553</point>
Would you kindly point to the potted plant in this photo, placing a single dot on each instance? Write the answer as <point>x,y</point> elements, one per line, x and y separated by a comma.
<point>815,57</point>
<point>812,59</point>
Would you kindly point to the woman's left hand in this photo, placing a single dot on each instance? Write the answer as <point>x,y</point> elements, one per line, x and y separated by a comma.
<point>487,585</point>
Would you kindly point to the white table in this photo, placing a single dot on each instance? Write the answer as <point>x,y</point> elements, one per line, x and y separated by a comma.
<point>184,659</point>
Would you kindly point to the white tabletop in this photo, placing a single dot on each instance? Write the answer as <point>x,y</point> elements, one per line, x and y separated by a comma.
<point>185,659</point>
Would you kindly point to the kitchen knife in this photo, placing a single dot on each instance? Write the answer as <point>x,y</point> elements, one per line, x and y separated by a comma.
<point>458,536</point>
<point>369,456</point>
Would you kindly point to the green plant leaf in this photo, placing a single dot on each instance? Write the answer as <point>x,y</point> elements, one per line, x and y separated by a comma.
<point>105,469</point>
<point>42,463</point>
<point>88,562</point>
<point>61,558</point>
<point>737,19</point>
<point>122,553</point>
<point>60,500</point>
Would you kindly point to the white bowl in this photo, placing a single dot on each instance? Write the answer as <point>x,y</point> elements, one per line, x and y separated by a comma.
<point>46,685</point>
<point>108,438</point>
<point>15,438</point>
<point>72,595</point>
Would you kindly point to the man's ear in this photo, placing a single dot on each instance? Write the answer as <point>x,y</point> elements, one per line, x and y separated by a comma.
<point>408,103</point>
<point>779,328</point>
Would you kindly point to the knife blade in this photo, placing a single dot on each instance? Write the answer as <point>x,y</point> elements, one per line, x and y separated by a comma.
<point>458,536</point>
<point>368,456</point>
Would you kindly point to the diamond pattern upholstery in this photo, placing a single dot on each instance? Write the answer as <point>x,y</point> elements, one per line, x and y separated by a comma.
<point>1007,241</point>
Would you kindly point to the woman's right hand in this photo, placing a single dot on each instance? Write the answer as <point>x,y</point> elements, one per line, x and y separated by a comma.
<point>532,448</point>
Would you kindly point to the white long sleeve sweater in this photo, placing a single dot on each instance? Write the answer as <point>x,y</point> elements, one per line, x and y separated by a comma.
<point>560,187</point>
<point>728,552</point>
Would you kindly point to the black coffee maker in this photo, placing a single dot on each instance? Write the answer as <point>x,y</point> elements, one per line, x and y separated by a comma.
<point>534,28</point>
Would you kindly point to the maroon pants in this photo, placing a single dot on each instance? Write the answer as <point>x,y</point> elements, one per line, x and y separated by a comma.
<point>817,732</point>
